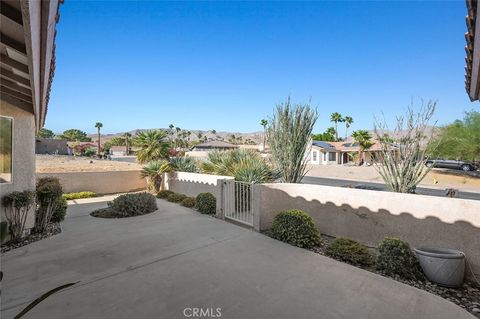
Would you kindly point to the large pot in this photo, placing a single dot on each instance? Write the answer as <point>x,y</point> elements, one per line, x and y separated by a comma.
<point>445,267</point>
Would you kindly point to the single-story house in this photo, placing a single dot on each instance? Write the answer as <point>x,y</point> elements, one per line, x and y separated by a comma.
<point>118,150</point>
<point>27,49</point>
<point>213,145</point>
<point>52,146</point>
<point>339,153</point>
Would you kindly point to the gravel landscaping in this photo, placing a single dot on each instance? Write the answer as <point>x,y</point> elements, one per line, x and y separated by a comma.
<point>52,229</point>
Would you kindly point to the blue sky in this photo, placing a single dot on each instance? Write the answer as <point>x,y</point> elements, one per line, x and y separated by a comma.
<point>224,66</point>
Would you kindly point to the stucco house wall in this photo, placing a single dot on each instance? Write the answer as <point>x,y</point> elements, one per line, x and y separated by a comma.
<point>23,162</point>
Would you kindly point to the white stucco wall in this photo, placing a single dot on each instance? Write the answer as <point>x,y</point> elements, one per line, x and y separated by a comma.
<point>369,216</point>
<point>23,173</point>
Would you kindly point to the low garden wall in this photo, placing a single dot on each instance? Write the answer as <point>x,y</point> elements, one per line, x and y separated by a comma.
<point>369,216</point>
<point>192,184</point>
<point>100,182</point>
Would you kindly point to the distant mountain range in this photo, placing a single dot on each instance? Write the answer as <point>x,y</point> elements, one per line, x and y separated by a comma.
<point>256,137</point>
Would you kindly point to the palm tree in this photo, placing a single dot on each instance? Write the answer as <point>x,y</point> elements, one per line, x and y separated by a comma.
<point>335,118</point>
<point>153,172</point>
<point>152,145</point>
<point>264,123</point>
<point>363,138</point>
<point>126,136</point>
<point>98,125</point>
<point>348,121</point>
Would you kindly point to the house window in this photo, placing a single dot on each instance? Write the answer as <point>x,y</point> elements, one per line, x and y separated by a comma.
<point>324,157</point>
<point>314,158</point>
<point>332,156</point>
<point>6,149</point>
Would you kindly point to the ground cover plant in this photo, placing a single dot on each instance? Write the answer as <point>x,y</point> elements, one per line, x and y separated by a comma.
<point>350,251</point>
<point>128,205</point>
<point>79,195</point>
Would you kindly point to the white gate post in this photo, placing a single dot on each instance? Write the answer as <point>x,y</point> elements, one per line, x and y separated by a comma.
<point>256,201</point>
<point>219,195</point>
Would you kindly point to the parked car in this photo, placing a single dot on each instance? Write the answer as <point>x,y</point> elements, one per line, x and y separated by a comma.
<point>453,164</point>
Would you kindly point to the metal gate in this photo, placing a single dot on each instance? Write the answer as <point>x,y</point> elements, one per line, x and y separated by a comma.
<point>237,201</point>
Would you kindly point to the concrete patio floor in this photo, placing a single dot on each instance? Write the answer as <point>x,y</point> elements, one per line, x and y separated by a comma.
<point>156,265</point>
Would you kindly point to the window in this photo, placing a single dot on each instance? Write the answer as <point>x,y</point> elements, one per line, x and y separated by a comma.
<point>324,157</point>
<point>314,158</point>
<point>332,157</point>
<point>6,145</point>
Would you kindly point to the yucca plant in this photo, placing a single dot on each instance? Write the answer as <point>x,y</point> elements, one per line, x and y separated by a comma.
<point>244,165</point>
<point>184,164</point>
<point>153,172</point>
<point>152,144</point>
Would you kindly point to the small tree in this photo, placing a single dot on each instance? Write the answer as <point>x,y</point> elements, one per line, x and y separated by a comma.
<point>45,133</point>
<point>48,192</point>
<point>288,136</point>
<point>363,139</point>
<point>264,123</point>
<point>152,145</point>
<point>404,151</point>
<point>153,172</point>
<point>17,205</point>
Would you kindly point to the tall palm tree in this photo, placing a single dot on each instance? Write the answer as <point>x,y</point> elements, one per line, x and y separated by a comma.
<point>335,118</point>
<point>348,121</point>
<point>127,136</point>
<point>152,144</point>
<point>98,125</point>
<point>264,123</point>
<point>363,138</point>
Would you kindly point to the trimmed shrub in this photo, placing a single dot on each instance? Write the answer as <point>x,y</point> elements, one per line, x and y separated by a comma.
<point>48,192</point>
<point>17,205</point>
<point>79,195</point>
<point>164,194</point>
<point>60,210</point>
<point>297,228</point>
<point>350,251</point>
<point>3,231</point>
<point>135,204</point>
<point>176,198</point>
<point>206,203</point>
<point>396,258</point>
<point>189,202</point>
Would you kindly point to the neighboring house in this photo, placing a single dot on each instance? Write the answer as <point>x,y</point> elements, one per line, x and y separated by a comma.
<point>118,150</point>
<point>51,146</point>
<point>213,145</point>
<point>339,153</point>
<point>472,49</point>
<point>27,58</point>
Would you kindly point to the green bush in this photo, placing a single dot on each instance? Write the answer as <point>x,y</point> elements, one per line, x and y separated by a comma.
<point>135,204</point>
<point>296,228</point>
<point>164,194</point>
<point>60,210</point>
<point>396,258</point>
<point>3,231</point>
<point>176,198</point>
<point>189,202</point>
<point>206,203</point>
<point>350,251</point>
<point>79,195</point>
<point>17,205</point>
<point>48,192</point>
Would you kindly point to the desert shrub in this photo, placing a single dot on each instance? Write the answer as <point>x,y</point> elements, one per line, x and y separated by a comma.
<point>164,194</point>
<point>206,203</point>
<point>90,152</point>
<point>60,210</point>
<point>48,192</point>
<point>3,231</point>
<point>350,251</point>
<point>79,195</point>
<point>135,204</point>
<point>296,228</point>
<point>176,198</point>
<point>396,258</point>
<point>17,205</point>
<point>184,164</point>
<point>189,202</point>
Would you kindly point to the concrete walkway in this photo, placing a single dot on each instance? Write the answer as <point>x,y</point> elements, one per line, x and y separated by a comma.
<point>155,266</point>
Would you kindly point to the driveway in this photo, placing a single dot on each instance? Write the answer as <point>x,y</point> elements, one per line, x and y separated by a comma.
<point>164,264</point>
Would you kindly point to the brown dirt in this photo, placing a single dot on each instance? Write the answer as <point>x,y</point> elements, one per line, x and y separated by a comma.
<point>61,164</point>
